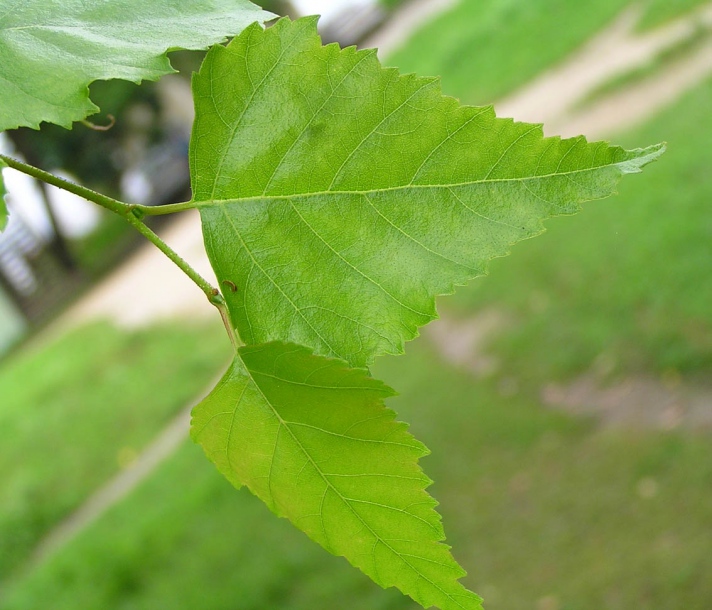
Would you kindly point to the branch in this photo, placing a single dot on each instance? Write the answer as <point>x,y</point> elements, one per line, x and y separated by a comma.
<point>114,205</point>
<point>118,207</point>
<point>133,215</point>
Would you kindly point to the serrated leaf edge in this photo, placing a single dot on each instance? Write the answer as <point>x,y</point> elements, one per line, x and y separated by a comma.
<point>90,108</point>
<point>386,391</point>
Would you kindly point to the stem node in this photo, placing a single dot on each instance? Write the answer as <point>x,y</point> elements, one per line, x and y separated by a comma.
<point>136,211</point>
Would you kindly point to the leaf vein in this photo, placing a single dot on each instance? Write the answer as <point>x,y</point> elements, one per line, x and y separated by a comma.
<point>354,267</point>
<point>275,284</point>
<point>411,238</point>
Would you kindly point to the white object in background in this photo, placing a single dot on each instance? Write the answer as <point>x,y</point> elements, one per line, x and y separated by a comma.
<point>24,197</point>
<point>12,324</point>
<point>76,216</point>
<point>328,9</point>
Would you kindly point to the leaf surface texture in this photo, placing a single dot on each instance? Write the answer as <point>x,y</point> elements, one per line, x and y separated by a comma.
<point>312,439</point>
<point>340,197</point>
<point>53,49</point>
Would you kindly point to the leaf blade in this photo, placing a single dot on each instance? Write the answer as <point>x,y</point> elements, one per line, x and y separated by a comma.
<point>313,440</point>
<point>53,50</point>
<point>341,213</point>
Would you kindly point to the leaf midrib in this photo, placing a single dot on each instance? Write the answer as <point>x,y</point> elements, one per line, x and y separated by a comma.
<point>207,203</point>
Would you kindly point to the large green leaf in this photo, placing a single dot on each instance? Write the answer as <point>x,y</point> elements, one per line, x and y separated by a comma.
<point>313,440</point>
<point>340,198</point>
<point>52,49</point>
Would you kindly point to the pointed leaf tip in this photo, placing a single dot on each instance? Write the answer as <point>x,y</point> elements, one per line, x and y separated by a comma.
<point>312,438</point>
<point>640,157</point>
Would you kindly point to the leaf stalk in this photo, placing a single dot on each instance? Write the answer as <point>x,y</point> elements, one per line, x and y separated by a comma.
<point>208,289</point>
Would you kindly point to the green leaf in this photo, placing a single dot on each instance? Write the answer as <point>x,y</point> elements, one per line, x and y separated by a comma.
<point>52,49</point>
<point>340,197</point>
<point>313,440</point>
<point>3,204</point>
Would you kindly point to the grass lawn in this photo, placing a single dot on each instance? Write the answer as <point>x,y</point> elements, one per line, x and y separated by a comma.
<point>484,50</point>
<point>541,508</point>
<point>660,11</point>
<point>75,411</point>
<point>187,540</point>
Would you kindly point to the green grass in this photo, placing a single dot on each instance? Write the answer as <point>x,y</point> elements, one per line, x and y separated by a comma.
<point>627,281</point>
<point>74,411</point>
<point>684,49</point>
<point>537,505</point>
<point>660,11</point>
<point>187,540</point>
<point>485,50</point>
<point>392,3</point>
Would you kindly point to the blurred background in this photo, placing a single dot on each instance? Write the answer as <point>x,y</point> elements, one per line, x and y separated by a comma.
<point>566,397</point>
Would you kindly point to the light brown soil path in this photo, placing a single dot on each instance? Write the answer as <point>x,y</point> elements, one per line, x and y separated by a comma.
<point>639,103</point>
<point>405,21</point>
<point>149,288</point>
<point>618,50</point>
<point>638,402</point>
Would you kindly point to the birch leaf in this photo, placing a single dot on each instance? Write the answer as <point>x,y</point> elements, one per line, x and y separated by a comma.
<point>338,198</point>
<point>53,49</point>
<point>312,439</point>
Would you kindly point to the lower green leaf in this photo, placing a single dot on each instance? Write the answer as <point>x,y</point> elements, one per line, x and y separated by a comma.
<point>313,439</point>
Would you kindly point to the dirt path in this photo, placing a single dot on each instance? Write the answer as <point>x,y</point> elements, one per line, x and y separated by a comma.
<point>637,402</point>
<point>405,21</point>
<point>149,288</point>
<point>618,50</point>
<point>637,104</point>
<point>117,488</point>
